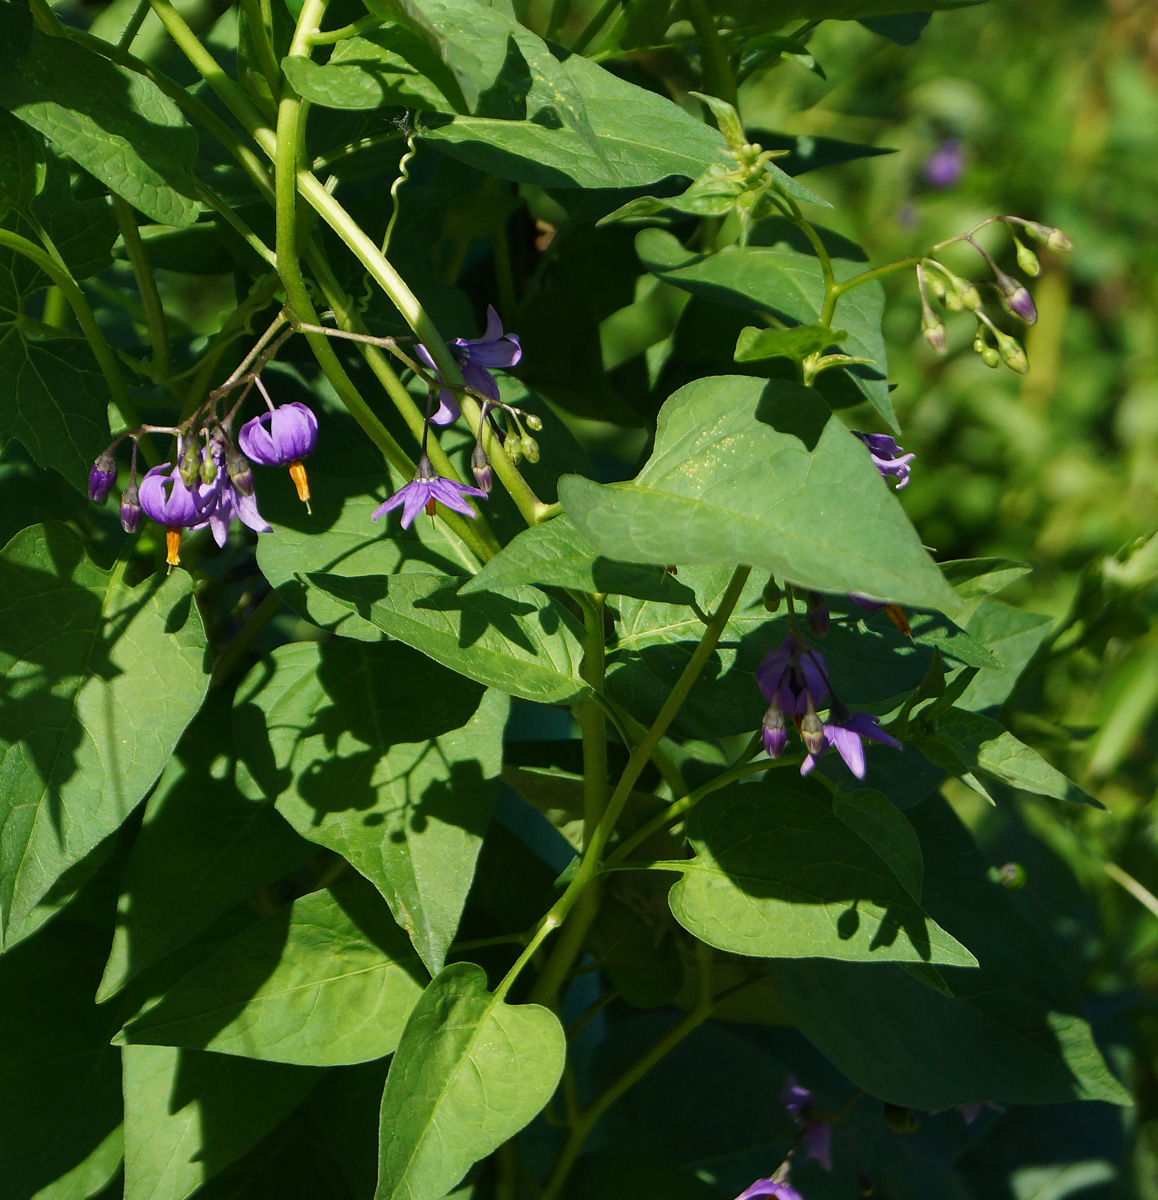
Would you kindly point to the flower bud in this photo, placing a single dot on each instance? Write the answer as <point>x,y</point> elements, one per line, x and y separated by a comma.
<point>1015,299</point>
<point>208,469</point>
<point>934,332</point>
<point>480,464</point>
<point>1050,235</point>
<point>534,423</point>
<point>933,281</point>
<point>952,302</point>
<point>513,445</point>
<point>979,345</point>
<point>1012,352</point>
<point>1011,875</point>
<point>812,731</point>
<point>818,619</point>
<point>102,477</point>
<point>990,357</point>
<point>1027,260</point>
<point>771,595</point>
<point>190,465</point>
<point>774,732</point>
<point>530,449</point>
<point>240,472</point>
<point>901,1120</point>
<point>130,509</point>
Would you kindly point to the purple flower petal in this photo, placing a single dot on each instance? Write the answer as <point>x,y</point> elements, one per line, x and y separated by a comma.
<point>770,1187</point>
<point>248,514</point>
<point>817,1142</point>
<point>474,376</point>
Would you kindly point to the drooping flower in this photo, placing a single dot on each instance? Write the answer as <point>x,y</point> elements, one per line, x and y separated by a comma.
<point>424,490</point>
<point>844,731</point>
<point>792,676</point>
<point>476,358</point>
<point>816,1135</point>
<point>101,477</point>
<point>944,167</point>
<point>165,499</point>
<point>285,434</point>
<point>779,1188</point>
<point>888,457</point>
<point>232,503</point>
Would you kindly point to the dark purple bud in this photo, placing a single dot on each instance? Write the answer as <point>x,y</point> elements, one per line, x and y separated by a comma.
<point>240,472</point>
<point>818,619</point>
<point>130,509</point>
<point>480,464</point>
<point>1016,298</point>
<point>812,731</point>
<point>102,477</point>
<point>774,731</point>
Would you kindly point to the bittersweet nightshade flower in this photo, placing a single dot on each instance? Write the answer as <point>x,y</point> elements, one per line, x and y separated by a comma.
<point>231,503</point>
<point>166,500</point>
<point>888,457</point>
<point>424,490</point>
<point>102,477</point>
<point>779,1188</point>
<point>130,509</point>
<point>792,677</point>
<point>816,1135</point>
<point>476,358</point>
<point>943,168</point>
<point>286,434</point>
<point>844,731</point>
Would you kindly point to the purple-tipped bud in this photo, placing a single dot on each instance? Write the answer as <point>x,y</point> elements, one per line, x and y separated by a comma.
<point>102,477</point>
<point>130,509</point>
<point>812,731</point>
<point>240,472</point>
<point>774,731</point>
<point>480,465</point>
<point>1016,299</point>
<point>1027,260</point>
<point>818,619</point>
<point>935,335</point>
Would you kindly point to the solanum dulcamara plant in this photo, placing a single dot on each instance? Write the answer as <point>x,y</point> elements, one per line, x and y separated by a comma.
<point>409,792</point>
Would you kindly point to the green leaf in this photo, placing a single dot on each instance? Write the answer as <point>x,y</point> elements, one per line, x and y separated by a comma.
<point>934,630</point>
<point>100,681</point>
<point>1012,1031</point>
<point>760,472</point>
<point>60,1106</point>
<point>875,819</point>
<point>778,272</point>
<point>983,576</point>
<point>1012,636</point>
<point>365,72</point>
<point>470,1072</point>
<point>808,153</point>
<point>328,980</point>
<point>54,399</point>
<point>555,554</point>
<point>112,121</point>
<point>520,641</point>
<point>964,742</point>
<point>777,875</point>
<point>209,840</point>
<point>796,342</point>
<point>190,1114</point>
<point>387,758</point>
<point>22,166</point>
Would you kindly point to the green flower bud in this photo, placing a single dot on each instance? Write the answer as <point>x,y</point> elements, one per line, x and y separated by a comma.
<point>534,423</point>
<point>530,448</point>
<point>990,357</point>
<point>513,445</point>
<point>208,470</point>
<point>1012,352</point>
<point>934,334</point>
<point>1027,260</point>
<point>190,465</point>
<point>1050,235</point>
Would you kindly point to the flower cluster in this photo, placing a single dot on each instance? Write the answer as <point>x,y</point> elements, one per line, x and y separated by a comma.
<point>794,680</point>
<point>815,1137</point>
<point>211,482</point>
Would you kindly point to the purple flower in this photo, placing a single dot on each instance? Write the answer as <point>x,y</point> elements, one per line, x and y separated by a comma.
<point>285,434</point>
<point>943,168</point>
<point>423,490</point>
<point>232,503</point>
<point>844,730</point>
<point>476,358</point>
<point>780,1188</point>
<point>102,477</point>
<point>816,1135</point>
<point>165,499</point>
<point>792,677</point>
<point>888,457</point>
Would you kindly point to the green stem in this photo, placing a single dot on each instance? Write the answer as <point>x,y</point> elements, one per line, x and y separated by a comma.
<point>876,273</point>
<point>717,67</point>
<point>147,286</point>
<point>346,31</point>
<point>581,1130</point>
<point>563,955</point>
<point>130,31</point>
<point>560,10</point>
<point>594,26</point>
<point>266,58</point>
<point>106,359</point>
